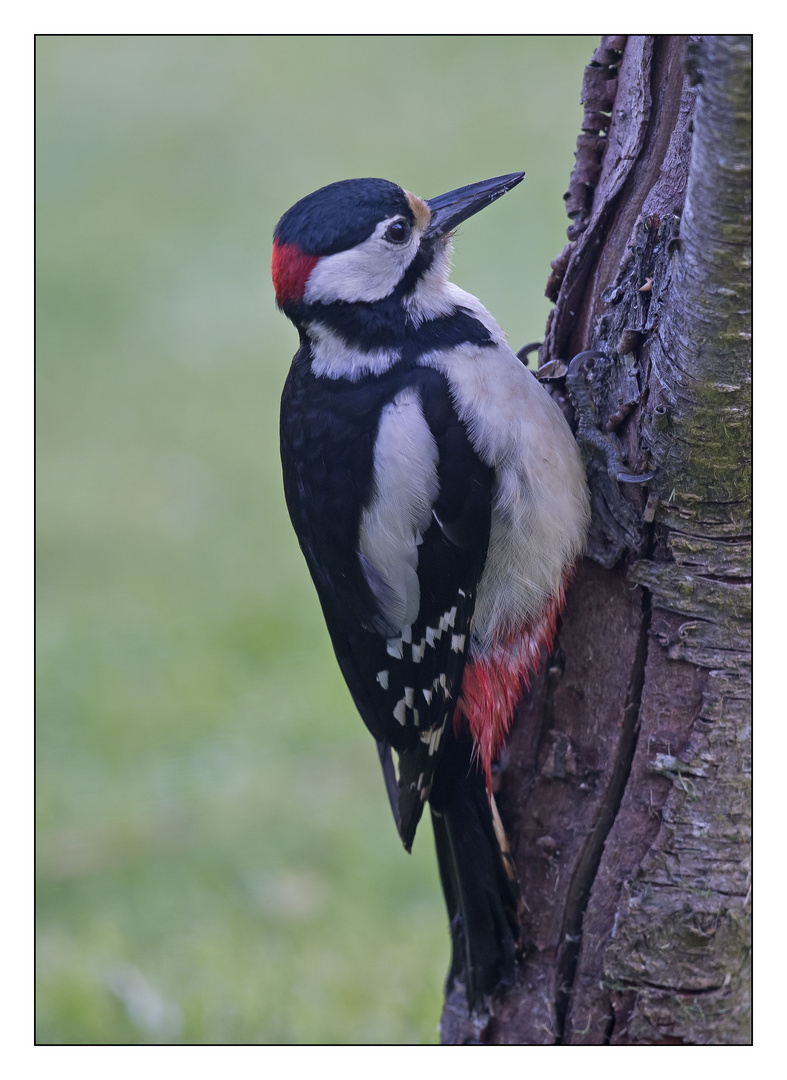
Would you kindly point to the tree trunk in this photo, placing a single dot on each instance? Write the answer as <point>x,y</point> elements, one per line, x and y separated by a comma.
<point>624,789</point>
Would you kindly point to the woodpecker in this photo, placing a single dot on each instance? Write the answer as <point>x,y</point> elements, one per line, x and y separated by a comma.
<point>440,501</point>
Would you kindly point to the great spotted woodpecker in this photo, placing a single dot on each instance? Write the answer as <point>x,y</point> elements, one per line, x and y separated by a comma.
<point>440,501</point>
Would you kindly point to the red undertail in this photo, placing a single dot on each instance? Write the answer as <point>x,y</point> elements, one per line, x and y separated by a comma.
<point>495,681</point>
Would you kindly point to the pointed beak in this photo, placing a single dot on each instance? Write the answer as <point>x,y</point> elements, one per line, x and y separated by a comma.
<point>456,206</point>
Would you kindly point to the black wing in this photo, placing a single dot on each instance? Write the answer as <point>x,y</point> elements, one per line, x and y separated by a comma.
<point>404,680</point>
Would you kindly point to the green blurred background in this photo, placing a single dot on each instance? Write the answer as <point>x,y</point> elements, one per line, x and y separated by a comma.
<point>216,858</point>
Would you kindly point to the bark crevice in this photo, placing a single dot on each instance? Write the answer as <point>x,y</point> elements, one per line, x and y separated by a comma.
<point>590,857</point>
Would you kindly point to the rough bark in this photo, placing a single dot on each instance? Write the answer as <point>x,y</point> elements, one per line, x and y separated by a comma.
<point>625,789</point>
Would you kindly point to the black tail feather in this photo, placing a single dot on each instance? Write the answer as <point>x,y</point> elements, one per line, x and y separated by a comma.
<point>389,775</point>
<point>480,886</point>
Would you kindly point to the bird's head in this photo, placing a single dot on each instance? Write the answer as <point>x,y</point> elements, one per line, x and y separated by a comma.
<point>358,241</point>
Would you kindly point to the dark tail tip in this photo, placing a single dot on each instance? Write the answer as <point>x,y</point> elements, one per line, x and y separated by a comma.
<point>481,892</point>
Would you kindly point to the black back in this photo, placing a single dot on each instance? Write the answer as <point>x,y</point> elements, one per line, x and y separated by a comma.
<point>328,430</point>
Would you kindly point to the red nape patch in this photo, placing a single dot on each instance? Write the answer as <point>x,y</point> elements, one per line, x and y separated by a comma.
<point>290,269</point>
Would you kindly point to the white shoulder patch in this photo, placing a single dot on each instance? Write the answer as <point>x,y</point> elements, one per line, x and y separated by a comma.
<point>392,525</point>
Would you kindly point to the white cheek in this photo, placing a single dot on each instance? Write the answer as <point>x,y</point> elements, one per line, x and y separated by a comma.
<point>368,272</point>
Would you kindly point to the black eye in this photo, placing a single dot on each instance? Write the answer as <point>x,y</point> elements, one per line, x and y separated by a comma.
<point>397,232</point>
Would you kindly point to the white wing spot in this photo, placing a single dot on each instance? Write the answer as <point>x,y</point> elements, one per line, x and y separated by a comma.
<point>457,642</point>
<point>399,711</point>
<point>407,635</point>
<point>382,678</point>
<point>395,648</point>
<point>418,651</point>
<point>435,740</point>
<point>409,696</point>
<point>428,695</point>
<point>432,737</point>
<point>441,684</point>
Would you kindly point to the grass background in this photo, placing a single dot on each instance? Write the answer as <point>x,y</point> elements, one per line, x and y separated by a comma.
<point>216,861</point>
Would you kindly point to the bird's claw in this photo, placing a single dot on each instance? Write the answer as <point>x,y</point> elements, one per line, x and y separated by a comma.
<point>589,433</point>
